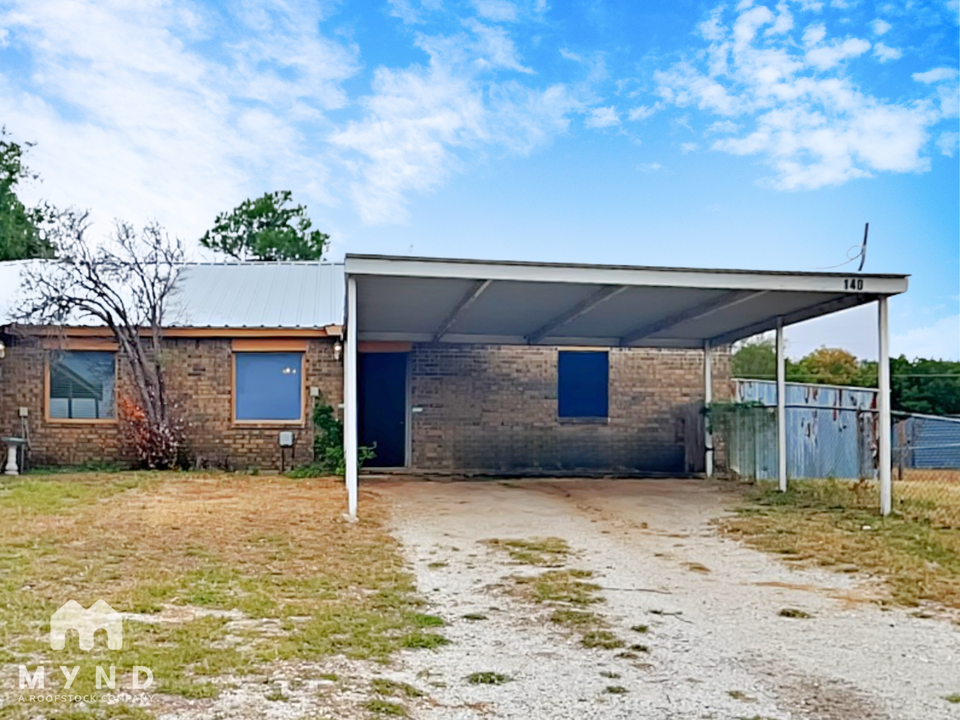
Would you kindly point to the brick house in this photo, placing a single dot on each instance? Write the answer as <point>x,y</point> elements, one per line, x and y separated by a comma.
<point>454,366</point>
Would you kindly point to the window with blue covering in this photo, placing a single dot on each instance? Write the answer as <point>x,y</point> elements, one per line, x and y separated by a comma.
<point>269,386</point>
<point>82,385</point>
<point>582,378</point>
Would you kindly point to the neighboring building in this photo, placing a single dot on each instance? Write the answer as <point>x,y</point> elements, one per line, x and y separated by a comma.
<point>254,345</point>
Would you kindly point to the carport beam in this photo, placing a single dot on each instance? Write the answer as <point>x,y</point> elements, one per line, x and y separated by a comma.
<point>350,399</point>
<point>707,399</point>
<point>883,408</point>
<point>781,408</point>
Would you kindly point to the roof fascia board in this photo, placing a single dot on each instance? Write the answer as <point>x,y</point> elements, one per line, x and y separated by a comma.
<point>96,331</point>
<point>727,300</point>
<point>649,277</point>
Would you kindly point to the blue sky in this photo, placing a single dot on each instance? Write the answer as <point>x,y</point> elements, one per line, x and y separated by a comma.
<point>753,135</point>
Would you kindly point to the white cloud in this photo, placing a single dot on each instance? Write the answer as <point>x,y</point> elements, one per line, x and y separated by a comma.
<point>494,49</point>
<point>642,112</point>
<point>783,23</point>
<point>936,75</point>
<point>602,117</point>
<point>947,143</point>
<point>880,27</point>
<point>814,34</point>
<point>825,57</point>
<point>797,107</point>
<point>240,101</point>
<point>496,10</point>
<point>133,128</point>
<point>687,147</point>
<point>884,53</point>
<point>649,167</point>
<point>938,341</point>
<point>723,126</point>
<point>404,10</point>
<point>417,120</point>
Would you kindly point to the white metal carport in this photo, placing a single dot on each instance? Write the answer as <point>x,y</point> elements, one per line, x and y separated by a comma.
<point>517,303</point>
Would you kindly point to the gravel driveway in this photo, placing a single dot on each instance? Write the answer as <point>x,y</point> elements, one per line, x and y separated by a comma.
<point>718,647</point>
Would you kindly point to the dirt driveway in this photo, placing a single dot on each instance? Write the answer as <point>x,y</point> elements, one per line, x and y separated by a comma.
<point>701,613</point>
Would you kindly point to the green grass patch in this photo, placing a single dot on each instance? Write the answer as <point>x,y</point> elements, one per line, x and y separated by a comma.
<point>383,686</point>
<point>487,678</point>
<point>602,639</point>
<point>561,586</point>
<point>642,629</point>
<point>55,494</point>
<point>615,690</point>
<point>547,552</point>
<point>575,618</point>
<point>835,524</point>
<point>475,617</point>
<point>424,641</point>
<point>794,613</point>
<point>385,707</point>
<point>953,698</point>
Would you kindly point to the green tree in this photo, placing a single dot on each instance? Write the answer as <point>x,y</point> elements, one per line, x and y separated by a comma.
<point>925,386</point>
<point>756,359</point>
<point>266,229</point>
<point>21,236</point>
<point>829,366</point>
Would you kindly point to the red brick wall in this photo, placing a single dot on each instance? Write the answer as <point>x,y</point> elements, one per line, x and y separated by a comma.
<point>199,375</point>
<point>488,408</point>
<point>494,408</point>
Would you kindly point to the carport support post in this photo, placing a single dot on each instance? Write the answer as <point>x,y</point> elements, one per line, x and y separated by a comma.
<point>350,399</point>
<point>707,399</point>
<point>883,408</point>
<point>781,408</point>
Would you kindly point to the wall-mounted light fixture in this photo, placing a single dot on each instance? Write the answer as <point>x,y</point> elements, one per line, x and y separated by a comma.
<point>337,350</point>
<point>3,350</point>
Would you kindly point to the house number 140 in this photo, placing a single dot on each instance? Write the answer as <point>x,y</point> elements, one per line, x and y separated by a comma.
<point>853,284</point>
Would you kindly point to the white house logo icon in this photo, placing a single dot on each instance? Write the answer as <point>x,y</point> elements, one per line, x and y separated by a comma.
<point>72,616</point>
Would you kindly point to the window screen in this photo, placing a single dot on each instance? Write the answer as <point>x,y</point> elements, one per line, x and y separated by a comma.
<point>582,384</point>
<point>268,386</point>
<point>82,385</point>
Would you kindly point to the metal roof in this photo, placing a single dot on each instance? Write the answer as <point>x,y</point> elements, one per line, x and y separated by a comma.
<point>462,301</point>
<point>234,295</point>
<point>255,294</point>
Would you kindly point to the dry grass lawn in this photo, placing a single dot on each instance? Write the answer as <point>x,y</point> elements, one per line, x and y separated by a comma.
<point>916,550</point>
<point>225,575</point>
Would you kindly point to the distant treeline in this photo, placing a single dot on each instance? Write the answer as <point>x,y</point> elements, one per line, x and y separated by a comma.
<point>920,386</point>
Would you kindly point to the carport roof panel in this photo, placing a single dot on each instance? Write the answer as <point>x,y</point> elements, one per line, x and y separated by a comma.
<point>422,299</point>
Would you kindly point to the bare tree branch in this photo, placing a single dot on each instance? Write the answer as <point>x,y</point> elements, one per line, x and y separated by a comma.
<point>125,286</point>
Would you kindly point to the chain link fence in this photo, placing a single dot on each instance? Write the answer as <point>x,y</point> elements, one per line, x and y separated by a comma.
<point>832,435</point>
<point>926,468</point>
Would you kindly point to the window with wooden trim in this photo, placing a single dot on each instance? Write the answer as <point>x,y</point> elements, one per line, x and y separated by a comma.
<point>582,384</point>
<point>82,385</point>
<point>268,386</point>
